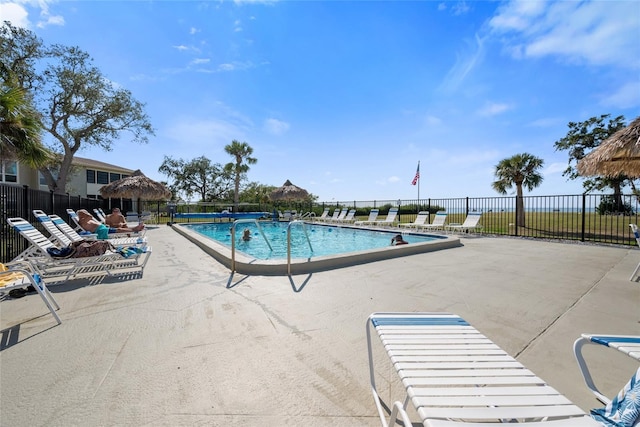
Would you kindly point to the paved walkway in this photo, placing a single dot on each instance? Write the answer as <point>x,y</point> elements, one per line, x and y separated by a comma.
<point>189,345</point>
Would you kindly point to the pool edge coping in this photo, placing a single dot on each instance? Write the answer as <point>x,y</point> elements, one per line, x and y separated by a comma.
<point>253,266</point>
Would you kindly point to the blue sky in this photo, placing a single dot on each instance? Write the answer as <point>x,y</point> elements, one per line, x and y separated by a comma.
<point>344,98</point>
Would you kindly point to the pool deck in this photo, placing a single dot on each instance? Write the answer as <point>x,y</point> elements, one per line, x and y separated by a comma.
<point>189,344</point>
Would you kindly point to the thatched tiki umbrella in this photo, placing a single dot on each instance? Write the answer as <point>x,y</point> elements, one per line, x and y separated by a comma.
<point>617,155</point>
<point>136,186</point>
<point>289,192</point>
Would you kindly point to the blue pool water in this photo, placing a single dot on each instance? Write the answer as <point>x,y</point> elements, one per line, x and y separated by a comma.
<point>325,240</point>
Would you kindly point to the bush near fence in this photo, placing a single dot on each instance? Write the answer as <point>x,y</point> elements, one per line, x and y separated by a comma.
<point>583,217</point>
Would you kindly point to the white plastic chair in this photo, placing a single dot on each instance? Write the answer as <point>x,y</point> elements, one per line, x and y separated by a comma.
<point>21,275</point>
<point>456,376</point>
<point>471,223</point>
<point>419,221</point>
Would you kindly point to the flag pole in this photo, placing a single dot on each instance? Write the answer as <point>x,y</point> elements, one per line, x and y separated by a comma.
<point>418,185</point>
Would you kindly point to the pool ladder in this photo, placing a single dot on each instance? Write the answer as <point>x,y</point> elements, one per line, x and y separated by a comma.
<point>255,221</point>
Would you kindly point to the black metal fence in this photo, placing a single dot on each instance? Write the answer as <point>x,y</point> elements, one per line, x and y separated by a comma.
<point>594,218</point>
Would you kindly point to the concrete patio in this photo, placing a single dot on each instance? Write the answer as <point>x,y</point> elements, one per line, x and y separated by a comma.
<point>189,344</point>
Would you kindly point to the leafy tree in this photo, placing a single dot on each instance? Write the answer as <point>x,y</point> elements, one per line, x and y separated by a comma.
<point>242,152</point>
<point>581,139</point>
<point>255,192</point>
<point>519,170</point>
<point>79,106</point>
<point>209,181</point>
<point>20,127</point>
<point>20,52</point>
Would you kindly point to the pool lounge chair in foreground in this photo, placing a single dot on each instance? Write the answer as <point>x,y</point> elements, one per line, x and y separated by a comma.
<point>456,376</point>
<point>626,344</point>
<point>421,218</point>
<point>373,216</point>
<point>20,276</point>
<point>471,223</point>
<point>437,224</point>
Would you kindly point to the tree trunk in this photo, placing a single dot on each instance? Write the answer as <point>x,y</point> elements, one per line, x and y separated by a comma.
<point>520,220</point>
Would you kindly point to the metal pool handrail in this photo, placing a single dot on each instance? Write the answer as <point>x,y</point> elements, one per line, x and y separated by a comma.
<point>304,228</point>
<point>233,239</point>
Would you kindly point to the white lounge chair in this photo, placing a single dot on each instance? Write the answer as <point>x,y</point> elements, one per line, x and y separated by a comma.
<point>373,216</point>
<point>389,220</point>
<point>626,344</point>
<point>323,216</point>
<point>437,224</point>
<point>341,215</point>
<point>349,218</point>
<point>52,269</point>
<point>333,217</point>
<point>21,275</point>
<point>420,220</point>
<point>76,220</point>
<point>471,223</point>
<point>454,375</point>
<point>100,215</point>
<point>64,235</point>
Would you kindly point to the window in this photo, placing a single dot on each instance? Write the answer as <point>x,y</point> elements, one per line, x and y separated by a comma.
<point>114,177</point>
<point>103,177</point>
<point>9,171</point>
<point>91,176</point>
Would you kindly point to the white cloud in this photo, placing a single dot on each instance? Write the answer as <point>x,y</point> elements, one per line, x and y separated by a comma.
<point>190,132</point>
<point>627,96</point>
<point>51,20</point>
<point>465,63</point>
<point>193,30</point>
<point>493,109</point>
<point>555,168</point>
<point>198,61</point>
<point>432,120</point>
<point>15,13</point>
<point>181,47</point>
<point>275,126</point>
<point>393,179</point>
<point>593,32</point>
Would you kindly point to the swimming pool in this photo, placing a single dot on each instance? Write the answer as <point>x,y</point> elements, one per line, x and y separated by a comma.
<point>346,242</point>
<point>322,239</point>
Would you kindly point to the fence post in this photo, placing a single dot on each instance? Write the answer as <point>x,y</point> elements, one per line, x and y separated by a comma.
<point>516,221</point>
<point>25,202</point>
<point>584,216</point>
<point>52,205</point>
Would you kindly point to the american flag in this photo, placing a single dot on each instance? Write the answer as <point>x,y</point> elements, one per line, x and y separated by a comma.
<point>417,177</point>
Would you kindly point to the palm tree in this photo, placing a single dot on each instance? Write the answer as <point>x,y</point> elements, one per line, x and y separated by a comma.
<point>241,151</point>
<point>519,170</point>
<point>20,127</point>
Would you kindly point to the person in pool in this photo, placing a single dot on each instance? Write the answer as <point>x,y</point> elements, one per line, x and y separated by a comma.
<point>246,235</point>
<point>398,240</point>
<point>89,223</point>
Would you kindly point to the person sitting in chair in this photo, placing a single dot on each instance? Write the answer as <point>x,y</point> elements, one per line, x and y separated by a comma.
<point>89,223</point>
<point>398,240</point>
<point>116,219</point>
